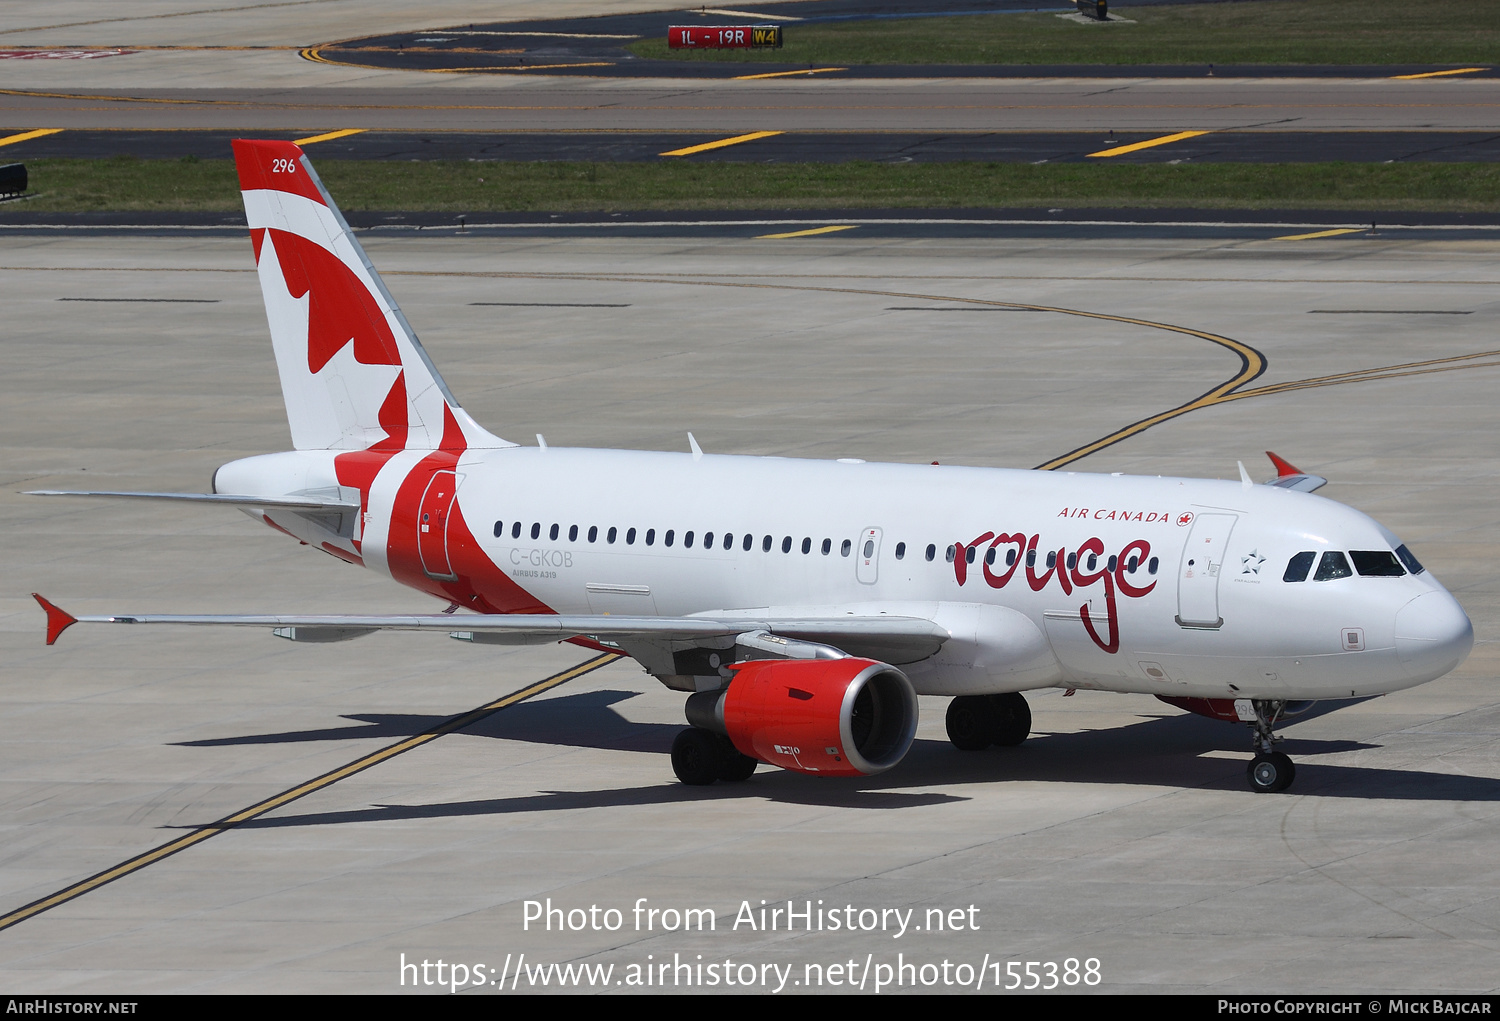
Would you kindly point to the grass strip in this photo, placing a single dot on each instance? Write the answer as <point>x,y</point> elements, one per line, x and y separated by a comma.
<point>125,184</point>
<point>1264,32</point>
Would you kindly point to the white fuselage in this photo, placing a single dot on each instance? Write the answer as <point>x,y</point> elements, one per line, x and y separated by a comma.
<point>1163,585</point>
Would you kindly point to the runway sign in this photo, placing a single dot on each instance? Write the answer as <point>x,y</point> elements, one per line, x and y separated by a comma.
<point>724,37</point>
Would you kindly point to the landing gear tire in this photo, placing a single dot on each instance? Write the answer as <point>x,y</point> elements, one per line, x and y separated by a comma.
<point>1012,718</point>
<point>736,766</point>
<point>1270,772</point>
<point>971,723</point>
<point>697,757</point>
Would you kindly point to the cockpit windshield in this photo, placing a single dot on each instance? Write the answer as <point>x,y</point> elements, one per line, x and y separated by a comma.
<point>1410,561</point>
<point>1378,563</point>
<point>1334,564</point>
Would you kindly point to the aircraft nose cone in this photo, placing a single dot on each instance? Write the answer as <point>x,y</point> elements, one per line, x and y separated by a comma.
<point>1433,635</point>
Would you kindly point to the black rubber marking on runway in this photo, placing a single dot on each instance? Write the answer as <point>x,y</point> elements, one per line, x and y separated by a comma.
<point>179,301</point>
<point>286,797</point>
<point>1386,312</point>
<point>553,304</point>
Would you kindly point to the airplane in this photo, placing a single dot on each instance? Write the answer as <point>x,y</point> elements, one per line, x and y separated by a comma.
<point>801,606</point>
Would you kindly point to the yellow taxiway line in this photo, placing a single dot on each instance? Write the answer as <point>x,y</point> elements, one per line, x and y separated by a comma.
<point>1320,234</point>
<point>202,833</point>
<point>785,74</point>
<point>330,136</point>
<point>721,143</point>
<point>1149,143</point>
<point>27,135</point>
<point>1438,74</point>
<point>807,233</point>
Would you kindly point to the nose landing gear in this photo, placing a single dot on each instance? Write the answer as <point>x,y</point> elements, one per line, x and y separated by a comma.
<point>1270,771</point>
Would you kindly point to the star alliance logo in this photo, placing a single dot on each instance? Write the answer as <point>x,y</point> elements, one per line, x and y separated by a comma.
<point>1250,563</point>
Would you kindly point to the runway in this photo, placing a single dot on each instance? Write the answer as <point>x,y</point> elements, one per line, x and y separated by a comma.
<point>1120,832</point>
<point>1251,146</point>
<point>521,104</point>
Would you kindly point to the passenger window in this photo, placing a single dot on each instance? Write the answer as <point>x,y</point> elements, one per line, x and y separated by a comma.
<point>499,528</point>
<point>1109,566</point>
<point>630,537</point>
<point>1380,563</point>
<point>968,553</point>
<point>951,553</point>
<point>1072,560</point>
<point>786,544</point>
<point>536,529</point>
<point>609,536</point>
<point>729,540</point>
<point>1404,555</point>
<point>708,540</point>
<point>828,547</point>
<point>1051,560</point>
<point>650,537</point>
<point>552,534</point>
<point>989,556</point>
<point>931,552</point>
<point>1152,565</point>
<point>593,533</point>
<point>1333,565</point>
<point>515,530</point>
<point>765,544</point>
<point>900,550</point>
<point>687,540</point>
<point>572,533</point>
<point>806,546</point>
<point>749,541</point>
<point>845,548</point>
<point>1298,566</point>
<point>1132,564</point>
<point>1031,558</point>
<point>666,540</point>
<point>1010,557</point>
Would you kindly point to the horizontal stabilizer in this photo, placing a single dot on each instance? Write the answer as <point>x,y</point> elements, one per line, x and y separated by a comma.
<point>1289,476</point>
<point>287,502</point>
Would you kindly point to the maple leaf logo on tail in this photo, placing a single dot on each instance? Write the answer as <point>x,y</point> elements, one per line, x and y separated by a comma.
<point>353,374</point>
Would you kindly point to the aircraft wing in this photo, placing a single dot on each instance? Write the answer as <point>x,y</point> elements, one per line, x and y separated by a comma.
<point>905,639</point>
<point>307,503</point>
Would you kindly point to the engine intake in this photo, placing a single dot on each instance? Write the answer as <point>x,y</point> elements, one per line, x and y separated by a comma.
<point>845,717</point>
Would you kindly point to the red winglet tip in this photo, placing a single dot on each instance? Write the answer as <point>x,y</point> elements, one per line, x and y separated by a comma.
<point>1283,466</point>
<point>58,619</point>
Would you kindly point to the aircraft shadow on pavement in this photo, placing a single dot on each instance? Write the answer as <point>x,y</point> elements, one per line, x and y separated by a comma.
<point>583,720</point>
<point>1163,751</point>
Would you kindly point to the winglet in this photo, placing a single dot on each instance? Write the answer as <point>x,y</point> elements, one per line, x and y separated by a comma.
<point>58,619</point>
<point>1284,467</point>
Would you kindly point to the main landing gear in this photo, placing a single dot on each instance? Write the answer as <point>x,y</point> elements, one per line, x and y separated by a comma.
<point>701,757</point>
<point>1270,771</point>
<point>977,721</point>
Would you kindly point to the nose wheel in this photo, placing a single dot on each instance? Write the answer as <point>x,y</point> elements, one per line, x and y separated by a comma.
<point>1270,771</point>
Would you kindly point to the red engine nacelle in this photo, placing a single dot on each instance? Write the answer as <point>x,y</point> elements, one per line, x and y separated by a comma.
<point>839,717</point>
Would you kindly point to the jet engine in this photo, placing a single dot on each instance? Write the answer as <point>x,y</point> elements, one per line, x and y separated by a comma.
<point>841,717</point>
